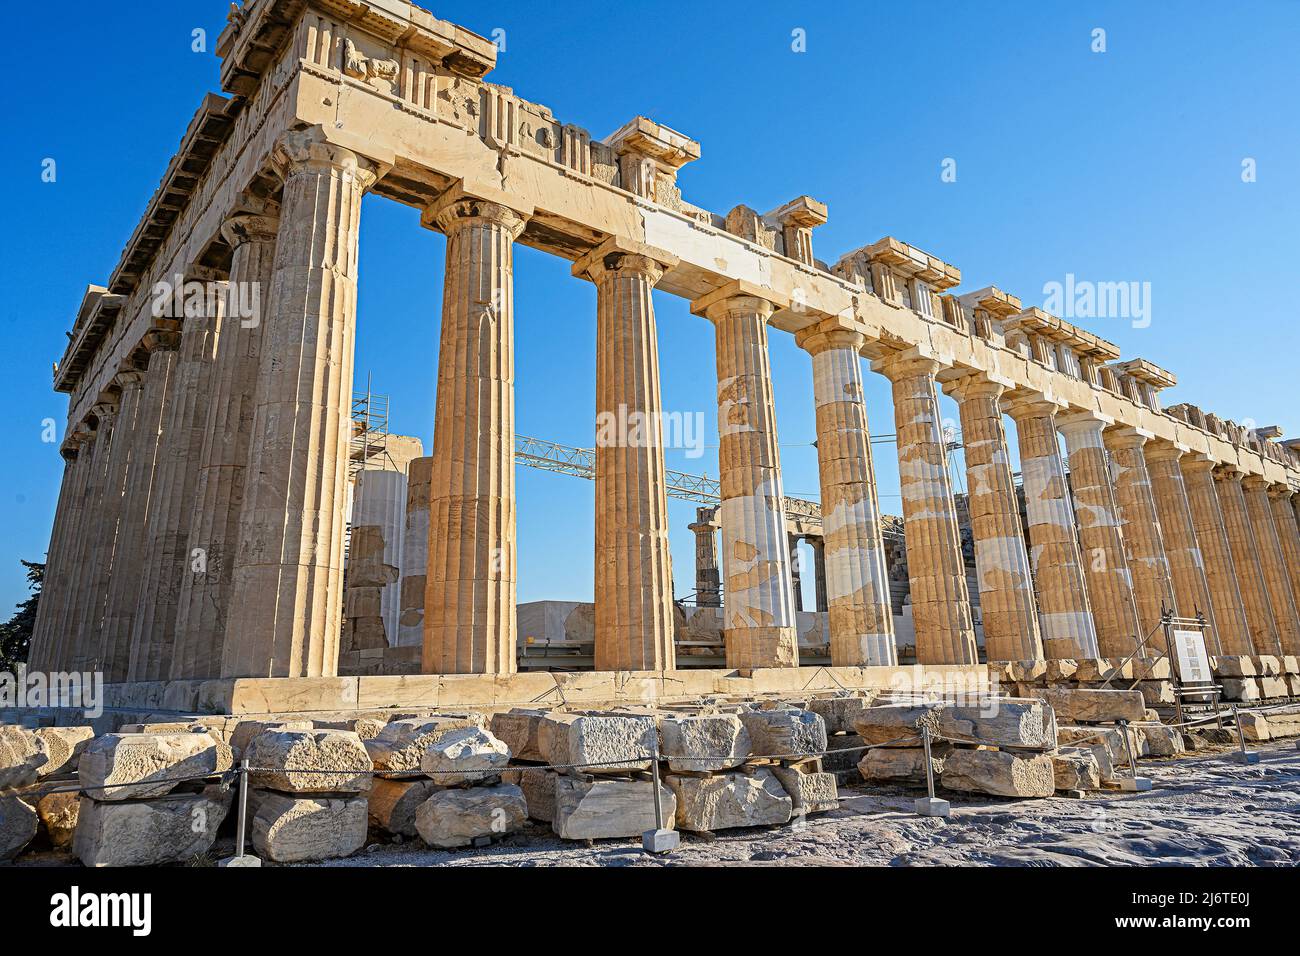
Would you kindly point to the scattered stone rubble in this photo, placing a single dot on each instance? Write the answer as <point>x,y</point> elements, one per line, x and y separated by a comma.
<point>320,788</point>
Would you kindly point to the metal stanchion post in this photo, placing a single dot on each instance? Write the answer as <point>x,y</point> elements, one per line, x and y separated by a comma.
<point>241,824</point>
<point>930,805</point>
<point>1242,755</point>
<point>1134,783</point>
<point>658,840</point>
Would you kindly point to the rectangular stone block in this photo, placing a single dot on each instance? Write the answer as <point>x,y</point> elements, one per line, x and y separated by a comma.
<point>1157,693</point>
<point>538,786</point>
<point>168,829</point>
<point>140,766</point>
<point>519,728</point>
<point>784,733</point>
<point>1271,687</point>
<point>843,752</point>
<point>309,761</point>
<point>1093,706</point>
<point>591,808</point>
<point>1243,690</point>
<point>1234,667</point>
<point>902,765</point>
<point>392,803</point>
<point>838,712</point>
<point>724,800</point>
<point>1076,768</point>
<point>598,743</point>
<point>292,829</point>
<point>703,743</point>
<point>1000,773</point>
<point>809,792</point>
<point>1000,722</point>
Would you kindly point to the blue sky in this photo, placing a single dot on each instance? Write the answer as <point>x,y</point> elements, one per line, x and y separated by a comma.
<point>1117,166</point>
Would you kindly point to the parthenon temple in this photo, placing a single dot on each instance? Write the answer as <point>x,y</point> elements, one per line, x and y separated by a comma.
<point>208,486</point>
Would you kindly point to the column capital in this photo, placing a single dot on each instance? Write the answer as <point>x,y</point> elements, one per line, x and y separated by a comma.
<point>105,410</point>
<point>736,295</point>
<point>161,340</point>
<point>129,378</point>
<point>1125,436</point>
<point>462,206</point>
<point>1281,490</point>
<point>837,332</point>
<point>297,150</point>
<point>1227,472</point>
<point>1022,405</point>
<point>1161,449</point>
<point>616,255</point>
<point>1255,483</point>
<point>1198,463</point>
<point>975,384</point>
<point>1082,421</point>
<point>907,363</point>
<point>244,227</point>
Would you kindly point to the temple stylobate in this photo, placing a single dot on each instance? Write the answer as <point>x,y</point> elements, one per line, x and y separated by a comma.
<point>201,529</point>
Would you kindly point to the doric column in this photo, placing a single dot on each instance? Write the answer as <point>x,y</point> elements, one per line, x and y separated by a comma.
<point>415,553</point>
<point>1260,617</point>
<point>796,572</point>
<point>122,598</point>
<point>1141,529</point>
<point>818,543</point>
<point>1220,569</point>
<point>100,649</point>
<point>1178,534</point>
<point>58,583</point>
<point>1064,614</point>
<point>1272,563</point>
<point>853,580</point>
<point>936,569</point>
<point>758,596</point>
<point>286,592</point>
<point>1288,533</point>
<point>634,585</point>
<point>166,561</point>
<point>74,571</point>
<point>1001,560</point>
<point>1101,545</point>
<point>204,601</point>
<point>707,592</point>
<point>81,633</point>
<point>471,581</point>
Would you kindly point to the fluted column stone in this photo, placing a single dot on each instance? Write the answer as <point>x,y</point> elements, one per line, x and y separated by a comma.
<point>1272,563</point>
<point>1011,631</point>
<point>1101,544</point>
<point>1064,614</point>
<point>1220,567</point>
<point>472,580</point>
<point>99,649</point>
<point>286,592</point>
<point>1288,533</point>
<point>852,574</point>
<point>941,610</point>
<point>59,582</point>
<point>707,592</point>
<point>1191,588</point>
<point>205,594</point>
<point>79,634</point>
<point>1245,546</point>
<point>633,566</point>
<point>758,596</point>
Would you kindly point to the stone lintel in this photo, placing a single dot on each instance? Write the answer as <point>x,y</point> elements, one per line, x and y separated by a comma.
<point>616,245</point>
<point>1037,322</point>
<point>669,149</point>
<point>803,212</point>
<point>1148,373</point>
<point>999,304</point>
<point>1267,432</point>
<point>910,261</point>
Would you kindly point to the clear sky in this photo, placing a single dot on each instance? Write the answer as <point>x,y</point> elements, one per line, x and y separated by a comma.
<point>1117,166</point>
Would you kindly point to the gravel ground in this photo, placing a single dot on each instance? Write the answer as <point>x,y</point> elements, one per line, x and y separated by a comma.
<point>1202,810</point>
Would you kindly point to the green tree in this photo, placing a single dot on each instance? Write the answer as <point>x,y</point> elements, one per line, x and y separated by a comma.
<point>16,633</point>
